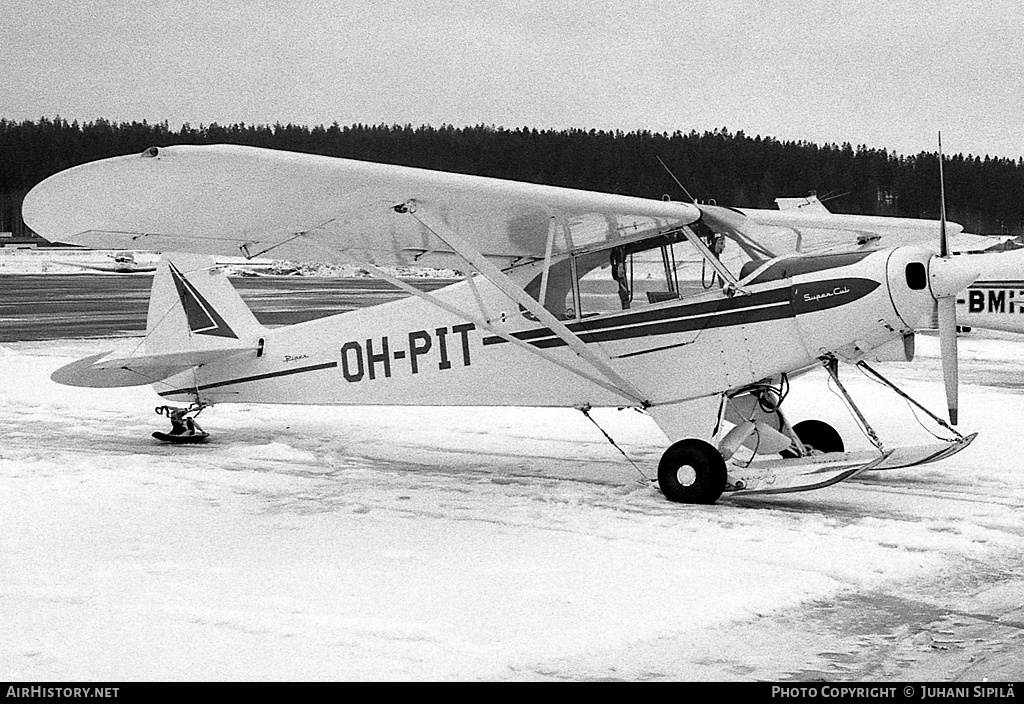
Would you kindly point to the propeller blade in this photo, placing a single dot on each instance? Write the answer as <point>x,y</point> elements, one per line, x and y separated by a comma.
<point>943,239</point>
<point>947,277</point>
<point>948,347</point>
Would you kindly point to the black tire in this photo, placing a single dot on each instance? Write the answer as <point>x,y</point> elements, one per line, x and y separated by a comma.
<point>705,467</point>
<point>819,435</point>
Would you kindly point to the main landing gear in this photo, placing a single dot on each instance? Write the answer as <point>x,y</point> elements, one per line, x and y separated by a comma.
<point>184,428</point>
<point>692,472</point>
<point>816,436</point>
<point>781,458</point>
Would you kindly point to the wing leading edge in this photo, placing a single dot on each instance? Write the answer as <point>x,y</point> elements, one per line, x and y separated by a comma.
<point>231,200</point>
<point>817,230</point>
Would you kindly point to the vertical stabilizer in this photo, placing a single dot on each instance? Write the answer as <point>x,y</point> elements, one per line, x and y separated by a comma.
<point>194,307</point>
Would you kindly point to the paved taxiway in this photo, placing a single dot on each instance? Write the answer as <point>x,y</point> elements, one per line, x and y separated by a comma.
<point>45,307</point>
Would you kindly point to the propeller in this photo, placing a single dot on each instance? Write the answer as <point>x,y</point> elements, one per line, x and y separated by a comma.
<point>948,276</point>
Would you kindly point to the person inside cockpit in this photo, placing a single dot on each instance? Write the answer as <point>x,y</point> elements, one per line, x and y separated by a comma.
<point>618,262</point>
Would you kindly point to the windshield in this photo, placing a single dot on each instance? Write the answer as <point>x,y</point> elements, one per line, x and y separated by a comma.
<point>636,274</point>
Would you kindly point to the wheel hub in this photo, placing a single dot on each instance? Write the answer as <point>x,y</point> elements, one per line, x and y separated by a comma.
<point>686,475</point>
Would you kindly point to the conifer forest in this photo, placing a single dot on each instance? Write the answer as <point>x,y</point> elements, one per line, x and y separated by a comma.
<point>984,194</point>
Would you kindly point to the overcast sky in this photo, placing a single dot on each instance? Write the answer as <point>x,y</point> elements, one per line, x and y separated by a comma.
<point>886,74</point>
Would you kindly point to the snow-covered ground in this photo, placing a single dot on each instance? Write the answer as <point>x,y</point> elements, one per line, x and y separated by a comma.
<point>438,543</point>
<point>81,261</point>
<point>58,260</point>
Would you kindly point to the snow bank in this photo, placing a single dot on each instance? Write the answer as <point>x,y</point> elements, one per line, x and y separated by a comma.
<point>80,261</point>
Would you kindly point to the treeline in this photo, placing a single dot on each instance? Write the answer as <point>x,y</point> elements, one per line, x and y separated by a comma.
<point>984,194</point>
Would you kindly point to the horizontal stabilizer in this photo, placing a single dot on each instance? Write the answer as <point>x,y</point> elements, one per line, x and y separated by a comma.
<point>97,372</point>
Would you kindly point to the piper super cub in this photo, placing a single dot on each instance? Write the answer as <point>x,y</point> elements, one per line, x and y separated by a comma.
<point>572,298</point>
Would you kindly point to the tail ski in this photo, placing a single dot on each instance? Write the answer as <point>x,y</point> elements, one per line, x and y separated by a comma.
<point>195,317</point>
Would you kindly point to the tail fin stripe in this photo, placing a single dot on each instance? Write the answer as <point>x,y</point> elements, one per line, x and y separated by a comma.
<point>203,319</point>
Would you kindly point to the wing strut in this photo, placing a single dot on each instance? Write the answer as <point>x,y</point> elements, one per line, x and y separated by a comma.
<point>731,285</point>
<point>547,261</point>
<point>499,279</point>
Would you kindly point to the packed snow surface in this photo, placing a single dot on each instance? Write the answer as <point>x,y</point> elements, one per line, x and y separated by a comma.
<point>328,543</point>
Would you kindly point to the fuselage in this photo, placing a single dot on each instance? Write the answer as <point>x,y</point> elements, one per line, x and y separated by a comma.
<point>412,352</point>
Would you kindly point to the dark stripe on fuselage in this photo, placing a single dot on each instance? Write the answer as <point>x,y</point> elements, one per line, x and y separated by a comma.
<point>771,311</point>
<point>680,310</point>
<point>762,306</point>
<point>246,379</point>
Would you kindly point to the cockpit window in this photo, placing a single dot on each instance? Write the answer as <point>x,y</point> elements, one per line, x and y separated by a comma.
<point>633,275</point>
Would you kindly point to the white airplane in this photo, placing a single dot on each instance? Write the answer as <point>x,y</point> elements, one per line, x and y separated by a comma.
<point>995,301</point>
<point>123,263</point>
<point>807,204</point>
<point>560,310</point>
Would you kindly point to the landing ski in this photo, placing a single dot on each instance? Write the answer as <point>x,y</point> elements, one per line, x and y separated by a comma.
<point>183,438</point>
<point>780,476</point>
<point>923,454</point>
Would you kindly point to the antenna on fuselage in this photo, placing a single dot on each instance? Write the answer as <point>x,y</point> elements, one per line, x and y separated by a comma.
<point>832,196</point>
<point>678,182</point>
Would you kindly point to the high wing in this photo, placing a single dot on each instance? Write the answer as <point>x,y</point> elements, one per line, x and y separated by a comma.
<point>236,200</point>
<point>806,225</point>
<point>959,241</point>
<point>813,231</point>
